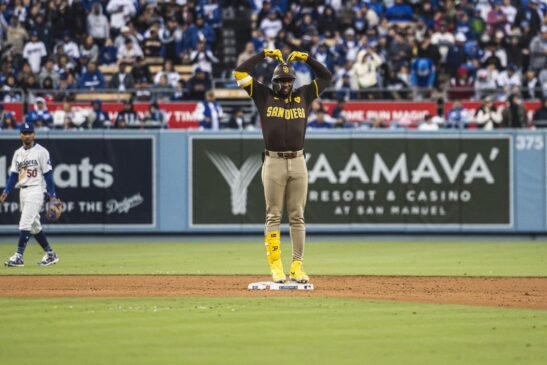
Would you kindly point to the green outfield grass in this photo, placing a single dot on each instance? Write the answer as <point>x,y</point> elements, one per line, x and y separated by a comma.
<point>322,258</point>
<point>303,330</point>
<point>262,331</point>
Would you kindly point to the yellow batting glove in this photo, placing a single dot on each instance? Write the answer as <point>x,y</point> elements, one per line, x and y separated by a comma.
<point>274,53</point>
<point>297,56</point>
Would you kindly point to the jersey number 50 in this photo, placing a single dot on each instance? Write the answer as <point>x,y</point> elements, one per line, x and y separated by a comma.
<point>32,173</point>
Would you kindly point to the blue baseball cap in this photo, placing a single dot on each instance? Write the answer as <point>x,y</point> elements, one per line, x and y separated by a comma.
<point>26,128</point>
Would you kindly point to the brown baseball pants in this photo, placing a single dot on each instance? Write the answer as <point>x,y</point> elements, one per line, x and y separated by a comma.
<point>286,180</point>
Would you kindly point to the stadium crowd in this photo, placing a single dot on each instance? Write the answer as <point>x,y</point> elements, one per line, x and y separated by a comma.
<point>486,50</point>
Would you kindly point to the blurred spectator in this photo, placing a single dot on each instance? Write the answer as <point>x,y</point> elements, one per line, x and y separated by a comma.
<point>162,90</point>
<point>122,80</point>
<point>494,55</point>
<point>236,121</point>
<point>538,51</point>
<point>397,84</point>
<point>443,39</point>
<point>543,82</point>
<point>168,71</point>
<point>365,71</point>
<point>508,82</point>
<point>142,90</point>
<point>247,53</point>
<point>515,51</point>
<point>129,52</point>
<point>348,46</point>
<point>529,14</point>
<point>203,58</point>
<point>540,116</point>
<point>8,121</point>
<point>338,110</point>
<point>5,115</point>
<point>531,86</point>
<point>328,22</point>
<point>97,25</point>
<point>90,49</point>
<point>428,124</point>
<point>199,31</point>
<point>169,36</point>
<point>141,71</point>
<point>342,123</point>
<point>320,121</point>
<point>458,117</point>
<point>9,90</point>
<point>198,84</point>
<point>34,52</point>
<point>399,51</point>
<point>48,71</point>
<point>462,85</point>
<point>209,112</point>
<point>399,12</point>
<point>456,55</point>
<point>488,116</point>
<point>108,55</point>
<point>127,117</point>
<point>485,84</point>
<point>40,116</point>
<point>47,89</point>
<point>325,56</point>
<point>16,35</point>
<point>98,118</point>
<point>70,47</point>
<point>180,91</point>
<point>152,45</point>
<point>120,12</point>
<point>92,78</point>
<point>155,117</point>
<point>62,118</point>
<point>514,114</point>
<point>126,32</point>
<point>422,77</point>
<point>271,25</point>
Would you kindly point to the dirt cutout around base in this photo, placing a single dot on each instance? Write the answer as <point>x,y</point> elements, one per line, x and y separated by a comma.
<point>483,291</point>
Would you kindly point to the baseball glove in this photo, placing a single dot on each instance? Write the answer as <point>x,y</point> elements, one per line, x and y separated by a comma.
<point>54,209</point>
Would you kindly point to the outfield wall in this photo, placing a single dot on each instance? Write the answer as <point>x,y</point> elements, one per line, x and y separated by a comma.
<point>359,181</point>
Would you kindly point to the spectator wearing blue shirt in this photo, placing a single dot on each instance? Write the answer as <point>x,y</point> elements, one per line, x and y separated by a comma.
<point>320,121</point>
<point>108,55</point>
<point>457,117</point>
<point>422,76</point>
<point>98,118</point>
<point>399,12</point>
<point>40,115</point>
<point>199,30</point>
<point>92,78</point>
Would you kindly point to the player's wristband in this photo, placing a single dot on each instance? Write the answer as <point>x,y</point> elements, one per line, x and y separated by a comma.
<point>12,181</point>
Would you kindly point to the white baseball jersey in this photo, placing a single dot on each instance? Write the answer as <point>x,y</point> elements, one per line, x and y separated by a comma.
<point>31,165</point>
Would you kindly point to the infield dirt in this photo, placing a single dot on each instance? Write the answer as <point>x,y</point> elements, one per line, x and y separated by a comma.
<point>517,292</point>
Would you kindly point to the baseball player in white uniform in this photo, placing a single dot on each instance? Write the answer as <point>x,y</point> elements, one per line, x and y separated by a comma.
<point>31,172</point>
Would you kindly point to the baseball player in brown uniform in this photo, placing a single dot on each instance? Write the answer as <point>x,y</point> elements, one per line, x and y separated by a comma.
<point>284,113</point>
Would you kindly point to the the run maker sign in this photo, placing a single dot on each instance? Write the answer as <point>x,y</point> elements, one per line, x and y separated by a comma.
<point>103,181</point>
<point>363,181</point>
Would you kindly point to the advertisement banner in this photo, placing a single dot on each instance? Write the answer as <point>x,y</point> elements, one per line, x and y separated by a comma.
<point>179,115</point>
<point>361,111</point>
<point>103,181</point>
<point>372,181</point>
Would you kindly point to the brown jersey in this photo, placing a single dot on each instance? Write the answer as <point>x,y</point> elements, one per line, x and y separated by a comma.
<point>284,120</point>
